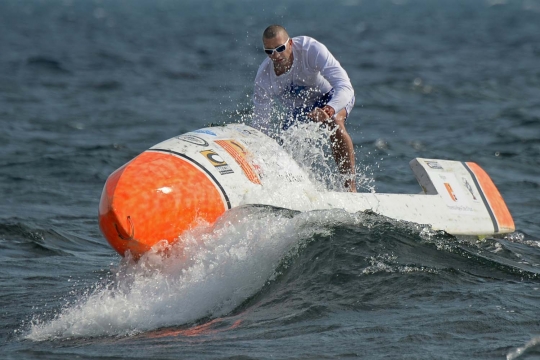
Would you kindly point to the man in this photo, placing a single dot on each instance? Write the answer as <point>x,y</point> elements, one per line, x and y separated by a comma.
<point>304,76</point>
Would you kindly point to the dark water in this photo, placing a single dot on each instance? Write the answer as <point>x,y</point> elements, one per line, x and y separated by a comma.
<point>87,85</point>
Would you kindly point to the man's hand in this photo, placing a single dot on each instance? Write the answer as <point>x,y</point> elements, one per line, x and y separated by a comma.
<point>329,110</point>
<point>322,115</point>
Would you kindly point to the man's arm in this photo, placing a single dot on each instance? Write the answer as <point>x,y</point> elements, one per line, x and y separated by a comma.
<point>320,59</point>
<point>262,108</point>
<point>262,99</point>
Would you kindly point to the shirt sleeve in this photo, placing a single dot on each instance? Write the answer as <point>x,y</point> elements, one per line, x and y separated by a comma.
<point>320,59</point>
<point>262,106</point>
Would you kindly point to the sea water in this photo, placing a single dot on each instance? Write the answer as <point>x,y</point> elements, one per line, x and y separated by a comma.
<point>85,86</point>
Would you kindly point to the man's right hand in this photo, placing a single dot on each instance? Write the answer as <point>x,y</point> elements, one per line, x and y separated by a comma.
<point>319,115</point>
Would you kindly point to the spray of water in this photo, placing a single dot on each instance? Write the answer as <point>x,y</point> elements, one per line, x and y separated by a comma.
<point>208,272</point>
<point>309,145</point>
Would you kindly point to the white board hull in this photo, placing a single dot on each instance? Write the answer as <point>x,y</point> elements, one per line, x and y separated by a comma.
<point>199,175</point>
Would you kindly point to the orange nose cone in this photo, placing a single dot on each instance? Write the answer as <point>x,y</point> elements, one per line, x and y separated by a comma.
<point>155,197</point>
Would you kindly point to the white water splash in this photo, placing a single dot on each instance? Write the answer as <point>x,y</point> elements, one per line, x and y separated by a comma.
<point>211,270</point>
<point>210,273</point>
<point>309,145</point>
<point>519,238</point>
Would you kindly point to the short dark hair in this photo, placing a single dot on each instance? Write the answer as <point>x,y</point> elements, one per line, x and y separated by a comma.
<point>274,30</point>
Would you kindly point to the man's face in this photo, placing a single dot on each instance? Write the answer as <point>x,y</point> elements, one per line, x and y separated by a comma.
<point>281,58</point>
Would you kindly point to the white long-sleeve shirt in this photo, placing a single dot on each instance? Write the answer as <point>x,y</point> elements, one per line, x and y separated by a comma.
<point>314,72</point>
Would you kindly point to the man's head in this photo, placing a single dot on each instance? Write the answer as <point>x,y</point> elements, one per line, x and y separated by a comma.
<point>274,37</point>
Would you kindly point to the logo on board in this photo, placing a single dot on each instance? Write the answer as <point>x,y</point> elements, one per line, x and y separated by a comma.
<point>217,161</point>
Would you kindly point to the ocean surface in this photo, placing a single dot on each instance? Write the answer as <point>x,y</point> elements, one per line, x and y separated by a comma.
<point>85,86</point>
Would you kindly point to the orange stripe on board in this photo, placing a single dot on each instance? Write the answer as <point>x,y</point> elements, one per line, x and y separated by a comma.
<point>494,198</point>
<point>450,191</point>
<point>157,196</point>
<point>240,154</point>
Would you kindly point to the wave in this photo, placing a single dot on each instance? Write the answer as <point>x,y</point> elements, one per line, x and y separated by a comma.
<point>261,258</point>
<point>20,240</point>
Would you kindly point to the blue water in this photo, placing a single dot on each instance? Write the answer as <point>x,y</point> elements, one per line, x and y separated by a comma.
<point>85,86</point>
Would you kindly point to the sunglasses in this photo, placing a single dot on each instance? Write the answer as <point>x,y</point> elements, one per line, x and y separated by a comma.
<point>279,49</point>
